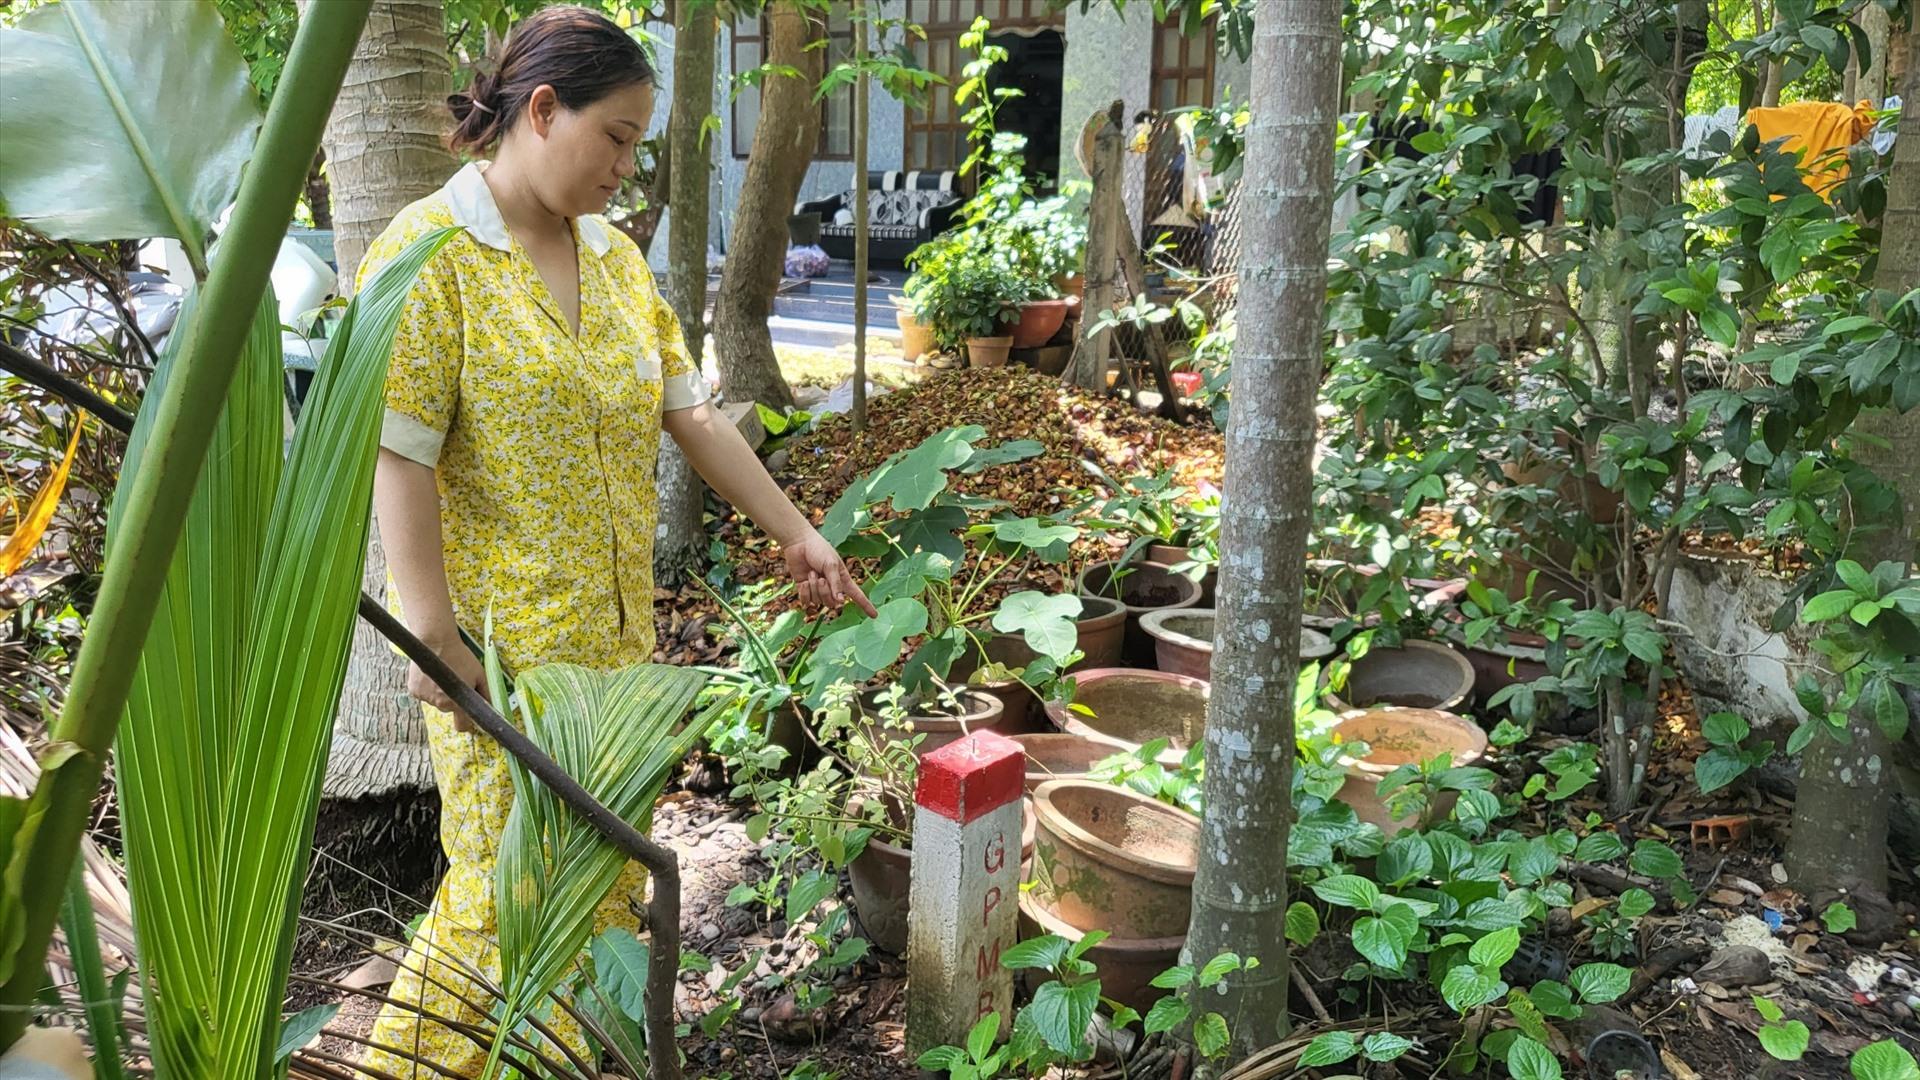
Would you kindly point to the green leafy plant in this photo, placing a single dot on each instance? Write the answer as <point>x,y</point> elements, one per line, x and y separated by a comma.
<point>1140,770</point>
<point>1884,1060</point>
<point>1783,1039</point>
<point>1729,759</point>
<point>1838,918</point>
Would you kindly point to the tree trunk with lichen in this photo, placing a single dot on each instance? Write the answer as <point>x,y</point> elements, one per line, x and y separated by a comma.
<point>783,146</point>
<point>1839,837</point>
<point>1240,890</point>
<point>679,546</point>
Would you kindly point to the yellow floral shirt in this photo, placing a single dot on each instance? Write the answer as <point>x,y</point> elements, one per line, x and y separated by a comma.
<point>542,441</point>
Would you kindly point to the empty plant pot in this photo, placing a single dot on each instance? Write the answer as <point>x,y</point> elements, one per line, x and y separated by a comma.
<point>1061,755</point>
<point>1142,586</point>
<point>1183,641</point>
<point>979,711</point>
<point>988,352</point>
<point>882,876</point>
<point>1417,675</point>
<point>1127,966</point>
<point>916,337</point>
<point>1039,321</point>
<point>1108,858</point>
<point>1135,707</point>
<point>1396,737</point>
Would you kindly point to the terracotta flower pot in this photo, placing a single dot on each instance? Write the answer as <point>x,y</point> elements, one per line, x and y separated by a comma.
<point>882,876</point>
<point>1183,641</point>
<point>1417,675</point>
<point>1039,321</point>
<point>982,712</point>
<point>1173,555</point>
<point>916,337</point>
<point>1134,707</point>
<point>1397,737</point>
<point>1146,586</point>
<point>1046,359</point>
<point>1060,755</point>
<point>1127,966</point>
<point>988,352</point>
<point>1108,858</point>
<point>1074,285</point>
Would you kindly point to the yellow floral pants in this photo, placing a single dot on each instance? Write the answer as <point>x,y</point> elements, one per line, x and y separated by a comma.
<point>457,938</point>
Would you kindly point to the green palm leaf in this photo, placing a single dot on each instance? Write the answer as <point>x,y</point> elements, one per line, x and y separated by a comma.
<point>227,727</point>
<point>616,734</point>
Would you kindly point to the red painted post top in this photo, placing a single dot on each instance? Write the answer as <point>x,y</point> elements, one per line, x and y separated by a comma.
<point>973,776</point>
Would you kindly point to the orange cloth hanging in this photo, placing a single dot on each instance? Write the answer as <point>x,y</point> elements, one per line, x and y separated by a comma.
<point>1820,131</point>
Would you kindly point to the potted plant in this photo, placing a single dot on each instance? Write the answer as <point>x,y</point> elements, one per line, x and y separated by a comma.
<point>968,293</point>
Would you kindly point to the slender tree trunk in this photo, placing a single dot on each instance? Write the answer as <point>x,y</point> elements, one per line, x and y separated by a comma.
<point>1872,84</point>
<point>783,146</point>
<point>680,545</point>
<point>1240,891</point>
<point>1839,838</point>
<point>319,199</point>
<point>383,151</point>
<point>860,120</point>
<point>1774,79</point>
<point>1087,368</point>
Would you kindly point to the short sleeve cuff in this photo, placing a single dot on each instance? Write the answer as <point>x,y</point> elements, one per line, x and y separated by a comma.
<point>682,391</point>
<point>410,438</point>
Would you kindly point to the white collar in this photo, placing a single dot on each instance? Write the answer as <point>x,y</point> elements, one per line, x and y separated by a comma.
<point>473,207</point>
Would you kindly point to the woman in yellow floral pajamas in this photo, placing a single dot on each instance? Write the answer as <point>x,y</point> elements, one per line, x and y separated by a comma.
<point>532,375</point>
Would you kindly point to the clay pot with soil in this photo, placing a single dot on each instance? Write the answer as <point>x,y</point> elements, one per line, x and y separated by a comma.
<point>1108,858</point>
<point>1396,737</point>
<point>1172,555</point>
<point>1142,586</point>
<point>1135,707</point>
<point>940,723</point>
<point>988,352</point>
<point>1417,675</point>
<point>1039,321</point>
<point>1183,641</point>
<point>883,875</point>
<point>1062,755</point>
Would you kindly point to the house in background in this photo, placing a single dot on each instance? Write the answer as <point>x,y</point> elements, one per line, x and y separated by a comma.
<point>1067,62</point>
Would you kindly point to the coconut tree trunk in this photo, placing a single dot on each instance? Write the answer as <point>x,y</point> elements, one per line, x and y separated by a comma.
<point>1239,893</point>
<point>1839,838</point>
<point>783,145</point>
<point>679,547</point>
<point>383,151</point>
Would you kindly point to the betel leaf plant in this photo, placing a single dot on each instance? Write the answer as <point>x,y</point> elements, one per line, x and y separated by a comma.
<point>939,570</point>
<point>110,159</point>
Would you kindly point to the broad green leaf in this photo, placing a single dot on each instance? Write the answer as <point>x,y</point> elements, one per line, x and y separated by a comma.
<point>1303,923</point>
<point>231,711</point>
<point>1838,918</point>
<point>1331,1048</point>
<point>1828,605</point>
<point>1379,943</point>
<point>980,1039</point>
<point>1598,984</point>
<point>1044,952</point>
<point>1167,1013</point>
<point>947,1058</point>
<point>1348,890</point>
<point>620,970</point>
<point>1600,847</point>
<point>1219,968</point>
<point>1656,860</point>
<point>299,1029</point>
<point>1717,768</point>
<point>1006,453</point>
<point>1767,1009</point>
<point>1404,860</point>
<point>1385,1046</point>
<point>806,893</point>
<point>123,121</point>
<point>1554,999</point>
<point>1725,728</point>
<point>1528,1060</point>
<point>1856,577</point>
<point>1061,1013</point>
<point>1494,950</point>
<point>922,474</point>
<point>1045,622</point>
<point>1635,903</point>
<point>1174,977</point>
<point>1210,1034</point>
<point>1468,987</point>
<point>1889,709</point>
<point>1787,1041</point>
<point>1884,1060</point>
